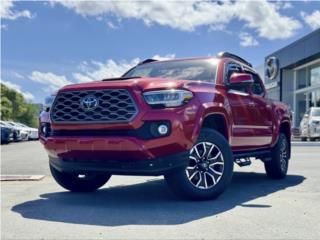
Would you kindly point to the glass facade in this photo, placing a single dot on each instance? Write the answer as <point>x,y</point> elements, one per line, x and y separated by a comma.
<point>307,90</point>
<point>315,75</point>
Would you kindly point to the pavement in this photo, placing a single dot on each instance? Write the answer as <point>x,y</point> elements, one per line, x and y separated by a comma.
<point>253,207</point>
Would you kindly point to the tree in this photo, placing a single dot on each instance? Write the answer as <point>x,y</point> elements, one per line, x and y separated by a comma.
<point>15,108</point>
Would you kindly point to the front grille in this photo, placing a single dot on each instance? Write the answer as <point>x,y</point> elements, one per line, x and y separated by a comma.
<point>85,106</point>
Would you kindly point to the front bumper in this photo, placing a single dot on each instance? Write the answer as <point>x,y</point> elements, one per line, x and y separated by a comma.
<point>116,146</point>
<point>154,167</point>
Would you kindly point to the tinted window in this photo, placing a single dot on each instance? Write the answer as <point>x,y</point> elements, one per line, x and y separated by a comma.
<point>232,68</point>
<point>235,68</point>
<point>203,70</point>
<point>257,88</point>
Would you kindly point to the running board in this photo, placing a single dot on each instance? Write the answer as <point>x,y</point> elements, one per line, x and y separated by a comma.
<point>243,158</point>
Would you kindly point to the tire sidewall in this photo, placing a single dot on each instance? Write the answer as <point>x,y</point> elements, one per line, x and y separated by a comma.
<point>277,153</point>
<point>187,189</point>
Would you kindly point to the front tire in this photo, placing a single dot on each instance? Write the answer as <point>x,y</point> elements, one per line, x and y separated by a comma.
<point>209,171</point>
<point>88,182</point>
<point>277,167</point>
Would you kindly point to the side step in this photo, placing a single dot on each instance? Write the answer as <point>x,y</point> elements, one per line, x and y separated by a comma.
<point>243,158</point>
<point>243,162</point>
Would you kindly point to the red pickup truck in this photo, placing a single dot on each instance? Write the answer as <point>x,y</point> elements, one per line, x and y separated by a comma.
<point>187,119</point>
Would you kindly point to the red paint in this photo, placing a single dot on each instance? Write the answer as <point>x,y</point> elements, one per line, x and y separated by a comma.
<point>252,122</point>
<point>240,78</point>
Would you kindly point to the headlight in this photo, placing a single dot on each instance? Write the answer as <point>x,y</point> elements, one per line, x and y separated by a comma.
<point>168,98</point>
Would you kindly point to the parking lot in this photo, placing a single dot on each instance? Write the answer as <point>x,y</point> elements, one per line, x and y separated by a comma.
<point>253,207</point>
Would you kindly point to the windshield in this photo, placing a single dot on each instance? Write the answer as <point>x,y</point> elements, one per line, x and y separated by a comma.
<point>203,70</point>
<point>316,112</point>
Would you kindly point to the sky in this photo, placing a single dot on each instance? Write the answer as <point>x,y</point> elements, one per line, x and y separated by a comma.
<point>46,45</point>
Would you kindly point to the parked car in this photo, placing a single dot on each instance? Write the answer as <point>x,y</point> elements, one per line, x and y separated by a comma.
<point>310,125</point>
<point>6,133</point>
<point>20,133</point>
<point>186,119</point>
<point>15,131</point>
<point>32,132</point>
<point>295,132</point>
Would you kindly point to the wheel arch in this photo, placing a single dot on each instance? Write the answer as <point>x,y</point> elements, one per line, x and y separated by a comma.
<point>218,122</point>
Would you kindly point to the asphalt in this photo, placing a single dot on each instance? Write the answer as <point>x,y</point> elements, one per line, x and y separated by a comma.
<point>253,207</point>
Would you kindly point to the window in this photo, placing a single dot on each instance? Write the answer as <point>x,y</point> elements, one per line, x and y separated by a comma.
<point>203,70</point>
<point>257,88</point>
<point>232,68</point>
<point>235,68</point>
<point>315,76</point>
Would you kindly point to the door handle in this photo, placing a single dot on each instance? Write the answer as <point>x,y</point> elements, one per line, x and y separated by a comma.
<point>252,104</point>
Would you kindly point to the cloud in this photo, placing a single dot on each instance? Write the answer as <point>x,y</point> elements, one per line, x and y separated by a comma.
<point>262,16</point>
<point>247,40</point>
<point>112,25</point>
<point>313,20</point>
<point>52,81</point>
<point>6,11</point>
<point>27,95</point>
<point>98,70</point>
<point>165,57</point>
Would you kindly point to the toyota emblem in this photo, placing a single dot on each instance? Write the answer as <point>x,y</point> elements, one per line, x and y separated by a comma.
<point>89,103</point>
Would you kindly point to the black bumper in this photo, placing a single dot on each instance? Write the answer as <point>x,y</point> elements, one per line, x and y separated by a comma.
<point>154,167</point>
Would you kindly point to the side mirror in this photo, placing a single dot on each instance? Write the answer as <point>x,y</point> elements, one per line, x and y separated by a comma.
<point>241,79</point>
<point>306,115</point>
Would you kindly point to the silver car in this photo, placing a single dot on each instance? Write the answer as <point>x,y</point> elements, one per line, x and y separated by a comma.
<point>310,125</point>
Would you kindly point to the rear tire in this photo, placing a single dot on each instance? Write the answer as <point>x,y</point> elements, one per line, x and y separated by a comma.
<point>209,171</point>
<point>277,167</point>
<point>72,182</point>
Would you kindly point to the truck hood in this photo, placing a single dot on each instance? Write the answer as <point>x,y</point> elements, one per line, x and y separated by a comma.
<point>140,84</point>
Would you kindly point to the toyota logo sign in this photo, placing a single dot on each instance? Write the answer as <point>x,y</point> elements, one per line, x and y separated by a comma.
<point>89,103</point>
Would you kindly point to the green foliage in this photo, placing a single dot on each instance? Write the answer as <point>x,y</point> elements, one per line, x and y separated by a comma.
<point>15,108</point>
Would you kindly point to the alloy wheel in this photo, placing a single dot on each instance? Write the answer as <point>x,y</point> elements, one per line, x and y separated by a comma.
<point>206,165</point>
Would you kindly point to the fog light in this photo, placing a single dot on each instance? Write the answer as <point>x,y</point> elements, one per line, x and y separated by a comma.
<point>163,129</point>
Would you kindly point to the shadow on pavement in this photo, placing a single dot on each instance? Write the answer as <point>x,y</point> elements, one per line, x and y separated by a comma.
<point>149,203</point>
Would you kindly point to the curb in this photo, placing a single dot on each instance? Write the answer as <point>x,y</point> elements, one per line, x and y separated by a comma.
<point>21,177</point>
<point>305,144</point>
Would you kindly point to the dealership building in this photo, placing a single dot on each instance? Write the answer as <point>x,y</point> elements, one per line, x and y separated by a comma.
<point>292,75</point>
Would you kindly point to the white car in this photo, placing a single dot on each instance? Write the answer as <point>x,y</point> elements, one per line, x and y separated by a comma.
<point>21,132</point>
<point>310,124</point>
<point>33,132</point>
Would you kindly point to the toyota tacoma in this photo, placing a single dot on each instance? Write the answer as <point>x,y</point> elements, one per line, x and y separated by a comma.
<point>187,119</point>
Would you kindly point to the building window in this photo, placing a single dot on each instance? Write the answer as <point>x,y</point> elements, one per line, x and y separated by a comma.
<point>315,75</point>
<point>301,78</point>
<point>307,90</point>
